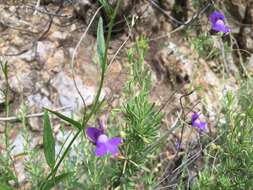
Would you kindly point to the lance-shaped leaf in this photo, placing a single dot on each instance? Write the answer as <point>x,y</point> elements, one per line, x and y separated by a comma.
<point>107,7</point>
<point>101,44</point>
<point>48,141</point>
<point>4,66</point>
<point>67,119</point>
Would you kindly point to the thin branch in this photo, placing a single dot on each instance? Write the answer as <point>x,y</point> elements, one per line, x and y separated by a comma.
<point>40,10</point>
<point>118,50</point>
<point>38,38</point>
<point>185,24</point>
<point>75,52</point>
<point>188,161</point>
<point>37,6</point>
<point>16,118</point>
<point>152,2</point>
<point>124,43</point>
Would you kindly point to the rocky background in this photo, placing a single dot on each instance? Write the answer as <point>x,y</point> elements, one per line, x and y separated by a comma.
<point>39,38</point>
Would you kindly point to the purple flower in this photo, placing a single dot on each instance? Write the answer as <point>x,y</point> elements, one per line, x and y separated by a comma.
<point>178,144</point>
<point>218,22</point>
<point>103,144</point>
<point>196,123</point>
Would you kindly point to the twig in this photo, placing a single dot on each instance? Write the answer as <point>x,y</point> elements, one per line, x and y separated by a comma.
<point>223,55</point>
<point>240,56</point>
<point>118,50</point>
<point>16,118</point>
<point>166,187</point>
<point>167,101</point>
<point>189,160</point>
<point>188,22</point>
<point>75,51</point>
<point>37,39</point>
<point>152,2</point>
<point>124,43</point>
<point>172,128</point>
<point>184,118</point>
<point>37,7</point>
<point>7,25</point>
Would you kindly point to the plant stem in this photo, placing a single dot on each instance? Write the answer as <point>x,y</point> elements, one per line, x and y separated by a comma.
<point>4,68</point>
<point>94,107</point>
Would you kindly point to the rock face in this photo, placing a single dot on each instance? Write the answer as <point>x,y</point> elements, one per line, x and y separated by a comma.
<point>18,145</point>
<point>85,9</point>
<point>45,49</point>
<point>39,101</point>
<point>172,66</point>
<point>68,95</point>
<point>43,65</point>
<point>22,78</point>
<point>241,22</point>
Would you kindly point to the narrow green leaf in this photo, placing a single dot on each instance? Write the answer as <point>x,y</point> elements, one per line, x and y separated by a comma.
<point>107,7</point>
<point>101,43</point>
<point>5,187</point>
<point>56,180</point>
<point>67,119</point>
<point>48,142</point>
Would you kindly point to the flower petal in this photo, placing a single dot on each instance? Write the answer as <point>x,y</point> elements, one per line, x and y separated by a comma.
<point>93,133</point>
<point>102,139</point>
<point>202,126</point>
<point>115,140</point>
<point>101,149</point>
<point>220,27</point>
<point>195,124</point>
<point>113,144</point>
<point>195,116</point>
<point>216,15</point>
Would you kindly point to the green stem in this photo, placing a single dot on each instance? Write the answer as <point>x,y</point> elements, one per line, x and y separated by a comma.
<point>6,104</point>
<point>4,68</point>
<point>53,172</point>
<point>94,107</point>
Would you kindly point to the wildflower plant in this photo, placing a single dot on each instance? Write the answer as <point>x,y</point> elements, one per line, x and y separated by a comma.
<point>229,159</point>
<point>53,161</point>
<point>7,167</point>
<point>141,117</point>
<point>205,46</point>
<point>113,162</point>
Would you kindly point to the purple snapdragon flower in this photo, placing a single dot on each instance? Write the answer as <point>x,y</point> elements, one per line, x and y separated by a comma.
<point>218,22</point>
<point>103,144</point>
<point>196,123</point>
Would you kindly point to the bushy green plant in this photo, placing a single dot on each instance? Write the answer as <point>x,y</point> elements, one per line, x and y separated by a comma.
<point>141,117</point>
<point>140,128</point>
<point>204,46</point>
<point>230,163</point>
<point>7,168</point>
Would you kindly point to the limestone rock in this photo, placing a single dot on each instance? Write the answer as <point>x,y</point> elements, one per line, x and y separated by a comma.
<point>69,96</point>
<point>45,49</point>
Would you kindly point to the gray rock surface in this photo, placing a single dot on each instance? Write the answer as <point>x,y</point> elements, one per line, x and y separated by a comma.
<point>44,50</point>
<point>68,94</point>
